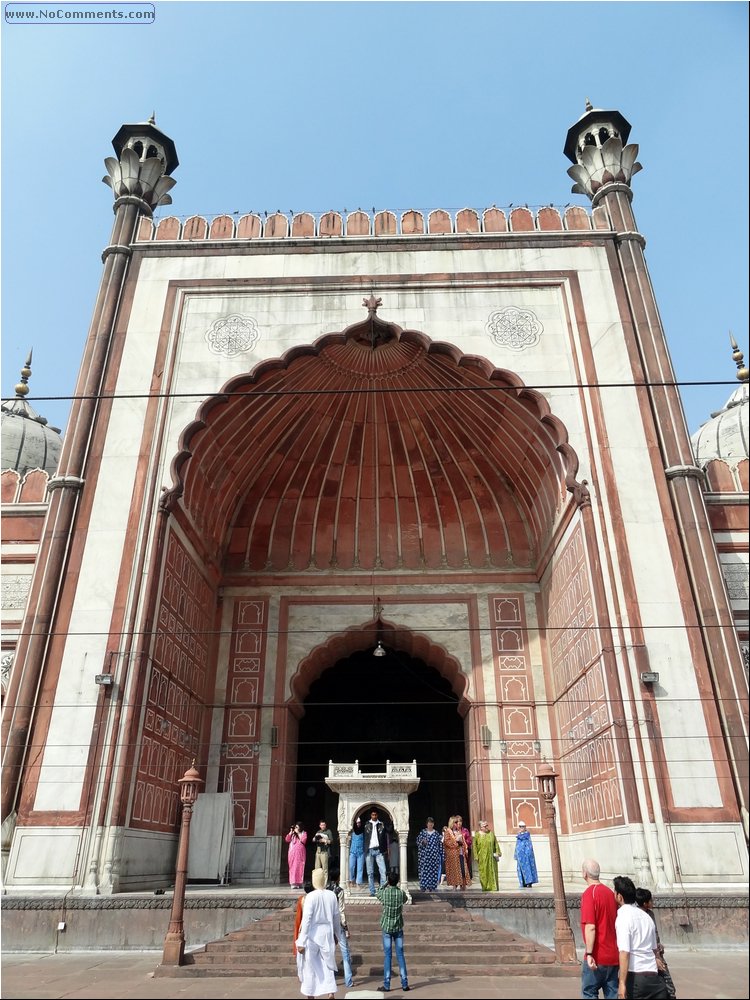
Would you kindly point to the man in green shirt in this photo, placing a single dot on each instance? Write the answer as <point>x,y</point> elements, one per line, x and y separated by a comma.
<point>392,926</point>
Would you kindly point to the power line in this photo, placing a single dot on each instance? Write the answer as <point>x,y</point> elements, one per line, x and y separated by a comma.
<point>255,391</point>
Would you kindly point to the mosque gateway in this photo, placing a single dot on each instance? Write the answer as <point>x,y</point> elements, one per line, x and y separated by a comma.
<point>359,496</point>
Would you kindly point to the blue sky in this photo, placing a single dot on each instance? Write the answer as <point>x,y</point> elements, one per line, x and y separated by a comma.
<point>318,106</point>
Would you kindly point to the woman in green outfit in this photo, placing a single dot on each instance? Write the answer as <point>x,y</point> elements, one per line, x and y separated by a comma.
<point>486,854</point>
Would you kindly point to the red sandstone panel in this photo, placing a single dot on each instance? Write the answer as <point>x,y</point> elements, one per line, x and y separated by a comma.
<point>27,528</point>
<point>33,487</point>
<point>549,219</point>
<point>577,217</point>
<point>412,222</point>
<point>276,227</point>
<point>600,217</point>
<point>10,481</point>
<point>358,224</point>
<point>467,221</point>
<point>195,228</point>
<point>330,224</point>
<point>178,690</point>
<point>385,224</point>
<point>222,228</point>
<point>145,230</point>
<point>592,783</point>
<point>168,229</point>
<point>515,686</point>
<point>439,222</point>
<point>303,225</point>
<point>248,228</point>
<point>729,517</point>
<point>720,477</point>
<point>521,220</point>
<point>494,221</point>
<point>743,472</point>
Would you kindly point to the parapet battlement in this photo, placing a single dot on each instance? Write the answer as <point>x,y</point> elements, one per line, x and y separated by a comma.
<point>306,225</point>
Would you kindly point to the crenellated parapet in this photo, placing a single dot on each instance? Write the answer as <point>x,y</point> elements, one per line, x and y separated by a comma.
<point>360,224</point>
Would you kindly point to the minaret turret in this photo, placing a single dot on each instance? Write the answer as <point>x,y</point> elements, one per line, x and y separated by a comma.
<point>596,144</point>
<point>145,159</point>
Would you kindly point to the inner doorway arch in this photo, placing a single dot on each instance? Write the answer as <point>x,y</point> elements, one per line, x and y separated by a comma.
<point>350,706</point>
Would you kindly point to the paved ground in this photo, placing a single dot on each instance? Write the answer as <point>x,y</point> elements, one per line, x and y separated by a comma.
<point>698,975</point>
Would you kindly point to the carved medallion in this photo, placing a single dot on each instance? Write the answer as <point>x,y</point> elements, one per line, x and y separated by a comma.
<point>514,328</point>
<point>232,335</point>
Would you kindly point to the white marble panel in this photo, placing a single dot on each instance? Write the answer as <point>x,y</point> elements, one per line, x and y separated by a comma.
<point>42,856</point>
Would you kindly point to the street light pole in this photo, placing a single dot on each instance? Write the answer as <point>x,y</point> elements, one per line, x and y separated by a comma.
<point>174,940</point>
<point>565,947</point>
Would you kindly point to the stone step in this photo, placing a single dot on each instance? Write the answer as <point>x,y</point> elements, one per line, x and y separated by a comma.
<point>456,954</point>
<point>424,970</point>
<point>437,936</point>
<point>365,942</point>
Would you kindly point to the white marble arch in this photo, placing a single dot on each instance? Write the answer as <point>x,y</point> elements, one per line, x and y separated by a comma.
<point>389,790</point>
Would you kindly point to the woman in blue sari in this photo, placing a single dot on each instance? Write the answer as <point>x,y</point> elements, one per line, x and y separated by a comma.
<point>524,856</point>
<point>430,853</point>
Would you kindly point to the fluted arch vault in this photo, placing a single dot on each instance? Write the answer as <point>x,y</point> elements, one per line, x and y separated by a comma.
<point>375,449</point>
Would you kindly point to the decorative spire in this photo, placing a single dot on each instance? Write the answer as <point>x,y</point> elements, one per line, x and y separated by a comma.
<point>743,373</point>
<point>22,389</point>
<point>152,119</point>
<point>589,105</point>
<point>372,304</point>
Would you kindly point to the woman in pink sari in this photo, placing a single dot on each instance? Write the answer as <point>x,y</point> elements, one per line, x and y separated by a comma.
<point>296,838</point>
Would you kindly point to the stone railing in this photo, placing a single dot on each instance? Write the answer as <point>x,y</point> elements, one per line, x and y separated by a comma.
<point>351,772</point>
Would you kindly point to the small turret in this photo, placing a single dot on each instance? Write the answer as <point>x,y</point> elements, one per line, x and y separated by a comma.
<point>145,159</point>
<point>596,145</point>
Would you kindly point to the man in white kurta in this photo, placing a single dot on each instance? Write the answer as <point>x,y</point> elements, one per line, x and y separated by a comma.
<point>318,933</point>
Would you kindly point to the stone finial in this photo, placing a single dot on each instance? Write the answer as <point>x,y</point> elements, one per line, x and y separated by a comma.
<point>22,388</point>
<point>743,373</point>
<point>372,304</point>
<point>589,105</point>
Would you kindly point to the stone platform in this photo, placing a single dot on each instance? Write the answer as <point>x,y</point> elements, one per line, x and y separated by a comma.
<point>138,921</point>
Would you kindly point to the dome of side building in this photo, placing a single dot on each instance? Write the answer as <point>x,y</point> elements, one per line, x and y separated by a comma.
<point>28,441</point>
<point>725,436</point>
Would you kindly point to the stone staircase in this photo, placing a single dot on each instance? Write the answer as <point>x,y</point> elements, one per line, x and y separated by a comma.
<point>438,938</point>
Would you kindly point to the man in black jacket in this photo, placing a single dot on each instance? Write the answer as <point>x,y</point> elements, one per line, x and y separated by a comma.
<point>376,848</point>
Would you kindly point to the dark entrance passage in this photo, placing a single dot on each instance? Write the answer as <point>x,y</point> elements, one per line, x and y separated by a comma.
<point>374,709</point>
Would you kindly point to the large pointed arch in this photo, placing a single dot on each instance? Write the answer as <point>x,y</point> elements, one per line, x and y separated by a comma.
<point>385,451</point>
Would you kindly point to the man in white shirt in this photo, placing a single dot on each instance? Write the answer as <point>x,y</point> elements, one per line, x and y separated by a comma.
<point>636,943</point>
<point>376,847</point>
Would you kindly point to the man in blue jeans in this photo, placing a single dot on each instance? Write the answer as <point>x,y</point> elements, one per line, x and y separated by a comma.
<point>601,959</point>
<point>346,957</point>
<point>392,926</point>
<point>376,847</point>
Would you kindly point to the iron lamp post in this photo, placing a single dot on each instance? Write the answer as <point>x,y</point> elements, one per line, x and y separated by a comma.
<point>174,940</point>
<point>565,947</point>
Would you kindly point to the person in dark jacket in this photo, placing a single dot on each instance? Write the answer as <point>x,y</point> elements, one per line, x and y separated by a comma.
<point>376,849</point>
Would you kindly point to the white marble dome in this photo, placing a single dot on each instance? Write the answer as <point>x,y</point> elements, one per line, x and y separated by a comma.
<point>725,435</point>
<point>28,441</point>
